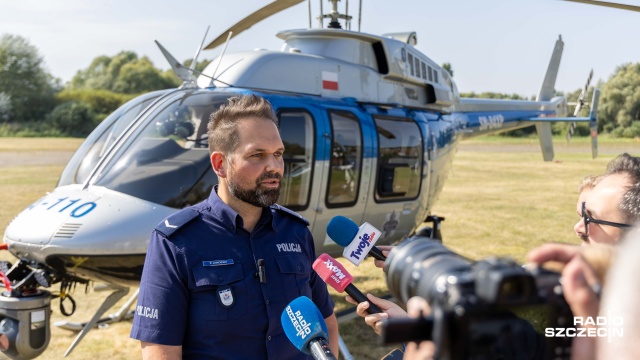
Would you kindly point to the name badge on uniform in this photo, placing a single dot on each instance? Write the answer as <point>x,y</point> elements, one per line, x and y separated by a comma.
<point>217,262</point>
<point>225,296</point>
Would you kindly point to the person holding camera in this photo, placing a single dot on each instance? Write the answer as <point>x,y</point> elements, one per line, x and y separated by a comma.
<point>614,196</point>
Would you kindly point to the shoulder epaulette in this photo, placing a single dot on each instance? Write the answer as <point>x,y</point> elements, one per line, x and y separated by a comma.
<point>291,213</point>
<point>169,225</point>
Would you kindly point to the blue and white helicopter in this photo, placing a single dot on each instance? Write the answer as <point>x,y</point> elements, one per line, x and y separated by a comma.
<point>370,126</point>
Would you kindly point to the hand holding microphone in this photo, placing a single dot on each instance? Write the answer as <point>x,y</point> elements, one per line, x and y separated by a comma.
<point>336,276</point>
<point>357,241</point>
<point>304,326</point>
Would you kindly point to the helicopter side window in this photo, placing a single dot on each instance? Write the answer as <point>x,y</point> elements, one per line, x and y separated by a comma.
<point>399,159</point>
<point>411,63</point>
<point>296,131</point>
<point>346,157</point>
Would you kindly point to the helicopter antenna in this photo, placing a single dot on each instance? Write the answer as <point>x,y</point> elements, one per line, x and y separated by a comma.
<point>188,80</point>
<point>346,13</point>
<point>195,58</point>
<point>309,6</point>
<point>186,74</point>
<point>213,76</point>
<point>360,15</point>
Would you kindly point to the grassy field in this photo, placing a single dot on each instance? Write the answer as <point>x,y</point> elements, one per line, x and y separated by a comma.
<point>500,199</point>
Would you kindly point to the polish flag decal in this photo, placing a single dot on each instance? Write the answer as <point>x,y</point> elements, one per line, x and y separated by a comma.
<point>329,80</point>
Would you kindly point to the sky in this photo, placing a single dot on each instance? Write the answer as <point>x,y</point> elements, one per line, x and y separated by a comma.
<point>493,45</point>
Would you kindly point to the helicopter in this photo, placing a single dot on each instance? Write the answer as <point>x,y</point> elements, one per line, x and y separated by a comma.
<point>370,126</point>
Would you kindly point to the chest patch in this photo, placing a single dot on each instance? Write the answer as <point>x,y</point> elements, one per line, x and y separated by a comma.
<point>289,247</point>
<point>225,296</point>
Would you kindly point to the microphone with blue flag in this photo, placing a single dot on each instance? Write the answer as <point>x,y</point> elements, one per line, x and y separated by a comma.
<point>304,325</point>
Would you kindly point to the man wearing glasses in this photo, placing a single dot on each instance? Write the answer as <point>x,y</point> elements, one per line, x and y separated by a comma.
<point>613,204</point>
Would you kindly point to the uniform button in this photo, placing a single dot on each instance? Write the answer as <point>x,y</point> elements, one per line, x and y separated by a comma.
<point>299,268</point>
<point>267,302</point>
<point>220,278</point>
<point>269,337</point>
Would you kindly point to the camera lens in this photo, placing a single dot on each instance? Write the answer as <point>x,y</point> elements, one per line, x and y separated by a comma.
<point>415,266</point>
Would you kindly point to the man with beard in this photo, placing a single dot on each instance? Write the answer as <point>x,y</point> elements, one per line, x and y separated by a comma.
<point>219,274</point>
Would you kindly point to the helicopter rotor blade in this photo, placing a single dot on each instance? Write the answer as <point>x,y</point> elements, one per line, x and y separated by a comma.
<point>255,17</point>
<point>608,4</point>
<point>583,94</point>
<point>579,105</point>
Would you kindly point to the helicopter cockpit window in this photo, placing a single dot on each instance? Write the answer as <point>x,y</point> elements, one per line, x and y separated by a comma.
<point>296,131</point>
<point>346,157</point>
<point>399,159</point>
<point>167,160</point>
<point>102,137</point>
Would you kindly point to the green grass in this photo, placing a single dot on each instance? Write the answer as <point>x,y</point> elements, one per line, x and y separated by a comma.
<point>500,199</point>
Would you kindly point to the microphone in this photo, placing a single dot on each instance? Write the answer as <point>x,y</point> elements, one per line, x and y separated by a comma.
<point>336,276</point>
<point>357,241</point>
<point>304,326</point>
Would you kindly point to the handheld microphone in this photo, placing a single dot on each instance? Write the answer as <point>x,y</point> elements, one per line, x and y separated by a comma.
<point>357,241</point>
<point>336,276</point>
<point>304,326</point>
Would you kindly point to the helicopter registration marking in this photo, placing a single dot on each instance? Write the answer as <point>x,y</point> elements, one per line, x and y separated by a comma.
<point>61,205</point>
<point>491,122</point>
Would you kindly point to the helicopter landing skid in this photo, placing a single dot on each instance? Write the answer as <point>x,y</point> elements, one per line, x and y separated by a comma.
<point>96,322</point>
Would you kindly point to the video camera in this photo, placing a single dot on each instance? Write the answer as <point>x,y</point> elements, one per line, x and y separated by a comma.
<point>490,309</point>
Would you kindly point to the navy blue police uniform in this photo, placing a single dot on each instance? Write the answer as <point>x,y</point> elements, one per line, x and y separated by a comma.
<point>201,286</point>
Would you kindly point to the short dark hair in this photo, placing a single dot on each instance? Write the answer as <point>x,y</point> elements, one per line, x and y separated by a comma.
<point>222,128</point>
<point>630,203</point>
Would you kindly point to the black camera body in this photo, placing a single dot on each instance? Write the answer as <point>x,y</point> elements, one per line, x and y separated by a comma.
<point>490,309</point>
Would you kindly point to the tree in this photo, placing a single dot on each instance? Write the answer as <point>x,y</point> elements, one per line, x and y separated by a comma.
<point>72,118</point>
<point>619,110</point>
<point>447,66</point>
<point>26,88</point>
<point>140,76</point>
<point>122,73</point>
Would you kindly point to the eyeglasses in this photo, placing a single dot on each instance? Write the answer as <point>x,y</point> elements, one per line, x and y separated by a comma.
<point>588,219</point>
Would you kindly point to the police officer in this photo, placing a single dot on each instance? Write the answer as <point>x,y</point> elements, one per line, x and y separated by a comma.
<point>218,274</point>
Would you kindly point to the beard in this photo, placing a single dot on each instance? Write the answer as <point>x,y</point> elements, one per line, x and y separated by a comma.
<point>256,196</point>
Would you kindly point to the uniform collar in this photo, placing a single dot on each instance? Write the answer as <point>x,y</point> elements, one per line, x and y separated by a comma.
<point>231,219</point>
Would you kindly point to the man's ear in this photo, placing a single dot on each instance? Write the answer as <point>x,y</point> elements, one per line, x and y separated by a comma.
<point>218,164</point>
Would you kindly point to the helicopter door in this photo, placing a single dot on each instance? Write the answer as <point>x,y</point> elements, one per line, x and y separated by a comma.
<point>341,186</point>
